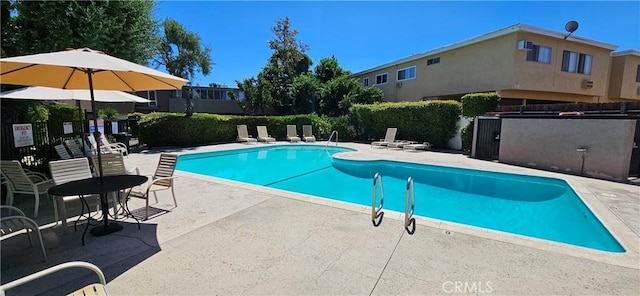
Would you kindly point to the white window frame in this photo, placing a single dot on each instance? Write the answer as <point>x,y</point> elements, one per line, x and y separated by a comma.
<point>538,58</point>
<point>365,81</point>
<point>574,64</point>
<point>154,102</point>
<point>406,71</point>
<point>380,75</point>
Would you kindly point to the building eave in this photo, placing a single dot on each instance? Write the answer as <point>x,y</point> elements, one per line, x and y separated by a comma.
<point>488,36</point>
<point>634,52</point>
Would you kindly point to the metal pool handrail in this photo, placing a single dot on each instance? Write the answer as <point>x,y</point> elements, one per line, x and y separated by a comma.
<point>376,212</point>
<point>409,207</point>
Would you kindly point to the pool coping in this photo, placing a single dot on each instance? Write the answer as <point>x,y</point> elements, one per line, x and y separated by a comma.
<point>612,222</point>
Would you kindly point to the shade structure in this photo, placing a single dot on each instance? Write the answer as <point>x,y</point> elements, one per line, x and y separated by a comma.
<point>50,93</point>
<point>68,70</point>
<point>85,69</point>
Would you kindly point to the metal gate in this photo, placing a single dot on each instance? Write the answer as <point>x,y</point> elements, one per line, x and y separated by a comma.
<point>486,138</point>
<point>634,167</point>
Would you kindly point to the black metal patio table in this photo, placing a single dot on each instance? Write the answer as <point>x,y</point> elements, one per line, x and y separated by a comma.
<point>99,185</point>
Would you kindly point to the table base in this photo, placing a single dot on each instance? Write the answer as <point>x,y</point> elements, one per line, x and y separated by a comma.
<point>104,230</point>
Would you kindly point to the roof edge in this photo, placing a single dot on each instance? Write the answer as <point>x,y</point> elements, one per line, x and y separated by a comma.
<point>634,52</point>
<point>491,35</point>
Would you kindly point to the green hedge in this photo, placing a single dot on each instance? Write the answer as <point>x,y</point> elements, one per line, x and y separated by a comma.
<point>174,129</point>
<point>60,113</point>
<point>426,121</point>
<point>476,104</point>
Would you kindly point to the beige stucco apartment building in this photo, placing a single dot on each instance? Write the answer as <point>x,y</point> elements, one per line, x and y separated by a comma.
<point>524,64</point>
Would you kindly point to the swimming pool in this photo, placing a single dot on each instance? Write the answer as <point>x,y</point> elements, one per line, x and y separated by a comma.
<point>538,207</point>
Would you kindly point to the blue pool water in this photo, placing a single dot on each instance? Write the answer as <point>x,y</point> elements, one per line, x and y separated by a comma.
<point>539,207</point>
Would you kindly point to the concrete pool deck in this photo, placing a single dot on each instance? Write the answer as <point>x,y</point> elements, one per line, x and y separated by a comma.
<point>229,238</point>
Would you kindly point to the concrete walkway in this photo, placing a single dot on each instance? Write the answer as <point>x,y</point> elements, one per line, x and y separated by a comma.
<point>229,238</point>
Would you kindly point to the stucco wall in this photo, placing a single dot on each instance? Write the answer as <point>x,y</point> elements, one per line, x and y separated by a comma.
<point>623,83</point>
<point>551,144</point>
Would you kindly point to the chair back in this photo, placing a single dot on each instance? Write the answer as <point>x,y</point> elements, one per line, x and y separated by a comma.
<point>262,131</point>
<point>242,131</point>
<point>13,171</point>
<point>63,171</point>
<point>112,164</point>
<point>92,142</point>
<point>166,167</point>
<point>62,152</point>
<point>292,131</point>
<point>391,134</point>
<point>307,131</point>
<point>75,149</point>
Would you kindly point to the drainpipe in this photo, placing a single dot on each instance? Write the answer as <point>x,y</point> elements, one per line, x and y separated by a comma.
<point>583,150</point>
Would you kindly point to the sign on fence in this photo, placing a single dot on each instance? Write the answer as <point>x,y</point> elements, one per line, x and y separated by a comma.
<point>23,135</point>
<point>100,126</point>
<point>67,127</point>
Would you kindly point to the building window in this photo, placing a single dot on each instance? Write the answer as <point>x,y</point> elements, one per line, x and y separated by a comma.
<point>406,73</point>
<point>540,54</point>
<point>151,96</point>
<point>638,74</point>
<point>575,62</point>
<point>365,82</point>
<point>433,61</point>
<point>382,78</point>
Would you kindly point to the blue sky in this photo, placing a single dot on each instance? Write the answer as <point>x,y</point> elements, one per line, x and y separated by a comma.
<point>365,34</point>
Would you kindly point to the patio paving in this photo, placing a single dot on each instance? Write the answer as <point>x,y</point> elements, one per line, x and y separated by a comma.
<point>229,238</point>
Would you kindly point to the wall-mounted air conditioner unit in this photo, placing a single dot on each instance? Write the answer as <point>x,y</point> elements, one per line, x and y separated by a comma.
<point>398,84</point>
<point>525,45</point>
<point>587,83</point>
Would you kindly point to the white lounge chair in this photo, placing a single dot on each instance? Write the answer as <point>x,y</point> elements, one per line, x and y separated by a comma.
<point>390,137</point>
<point>75,149</point>
<point>23,181</point>
<point>263,135</point>
<point>62,152</point>
<point>117,146</point>
<point>307,134</point>
<point>92,289</point>
<point>292,134</point>
<point>243,134</point>
<point>13,220</point>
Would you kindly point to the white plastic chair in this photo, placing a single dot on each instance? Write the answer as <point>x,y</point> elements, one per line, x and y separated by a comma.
<point>63,171</point>
<point>263,135</point>
<point>75,149</point>
<point>307,134</point>
<point>243,134</point>
<point>23,181</point>
<point>162,179</point>
<point>92,289</point>
<point>62,152</point>
<point>14,222</point>
<point>389,137</point>
<point>292,134</point>
<point>117,146</point>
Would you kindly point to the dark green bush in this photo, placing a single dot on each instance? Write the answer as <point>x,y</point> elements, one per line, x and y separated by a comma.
<point>343,127</point>
<point>174,129</point>
<point>467,138</point>
<point>61,113</point>
<point>476,104</point>
<point>427,121</point>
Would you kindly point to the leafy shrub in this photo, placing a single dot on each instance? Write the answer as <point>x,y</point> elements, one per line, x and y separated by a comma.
<point>427,121</point>
<point>467,138</point>
<point>343,127</point>
<point>61,113</point>
<point>476,104</point>
<point>174,129</point>
<point>108,113</point>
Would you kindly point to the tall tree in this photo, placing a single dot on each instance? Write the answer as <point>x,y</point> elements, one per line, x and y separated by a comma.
<point>287,62</point>
<point>124,29</point>
<point>182,54</point>
<point>328,69</point>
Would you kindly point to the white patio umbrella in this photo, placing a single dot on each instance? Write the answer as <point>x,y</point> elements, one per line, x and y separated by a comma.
<point>49,93</point>
<point>84,69</point>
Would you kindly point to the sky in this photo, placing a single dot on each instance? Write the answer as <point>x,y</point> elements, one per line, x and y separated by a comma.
<point>365,34</point>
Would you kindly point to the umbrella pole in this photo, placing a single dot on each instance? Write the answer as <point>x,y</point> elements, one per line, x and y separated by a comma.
<point>96,132</point>
<point>84,152</point>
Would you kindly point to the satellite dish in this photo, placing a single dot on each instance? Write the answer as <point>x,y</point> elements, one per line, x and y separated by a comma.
<point>571,26</point>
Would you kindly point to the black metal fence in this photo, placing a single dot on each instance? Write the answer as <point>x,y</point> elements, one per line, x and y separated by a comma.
<point>46,134</point>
